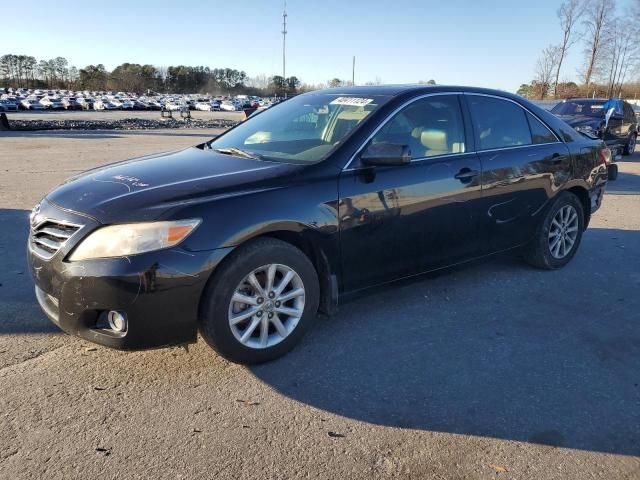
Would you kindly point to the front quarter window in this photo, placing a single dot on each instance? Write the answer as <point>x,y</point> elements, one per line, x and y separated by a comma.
<point>304,129</point>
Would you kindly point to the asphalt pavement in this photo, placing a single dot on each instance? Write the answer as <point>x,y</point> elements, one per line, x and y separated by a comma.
<point>489,370</point>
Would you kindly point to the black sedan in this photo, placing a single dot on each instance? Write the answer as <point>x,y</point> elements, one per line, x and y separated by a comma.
<point>245,238</point>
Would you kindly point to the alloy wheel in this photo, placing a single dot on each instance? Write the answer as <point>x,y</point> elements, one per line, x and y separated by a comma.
<point>563,231</point>
<point>266,306</point>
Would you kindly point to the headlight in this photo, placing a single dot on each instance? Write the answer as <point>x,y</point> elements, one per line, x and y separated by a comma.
<point>588,129</point>
<point>133,238</point>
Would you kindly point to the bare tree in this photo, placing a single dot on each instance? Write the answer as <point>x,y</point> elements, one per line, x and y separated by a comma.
<point>620,53</point>
<point>545,68</point>
<point>598,19</point>
<point>569,13</point>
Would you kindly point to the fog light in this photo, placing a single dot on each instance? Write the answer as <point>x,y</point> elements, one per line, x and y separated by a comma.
<point>117,321</point>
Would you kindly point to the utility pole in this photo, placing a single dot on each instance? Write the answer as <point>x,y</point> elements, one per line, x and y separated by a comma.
<point>353,72</point>
<point>284,43</point>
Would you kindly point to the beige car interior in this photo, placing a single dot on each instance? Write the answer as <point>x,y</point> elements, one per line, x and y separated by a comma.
<point>435,141</point>
<point>433,130</point>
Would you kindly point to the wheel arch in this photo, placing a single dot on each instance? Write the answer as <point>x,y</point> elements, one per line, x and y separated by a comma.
<point>311,243</point>
<point>583,195</point>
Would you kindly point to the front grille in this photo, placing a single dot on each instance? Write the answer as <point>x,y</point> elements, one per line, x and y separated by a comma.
<point>48,236</point>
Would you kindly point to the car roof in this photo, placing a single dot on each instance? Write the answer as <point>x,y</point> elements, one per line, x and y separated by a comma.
<point>589,99</point>
<point>413,89</point>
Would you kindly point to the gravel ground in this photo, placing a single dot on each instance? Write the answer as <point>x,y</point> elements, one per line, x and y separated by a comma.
<point>118,120</point>
<point>492,370</point>
<point>115,115</point>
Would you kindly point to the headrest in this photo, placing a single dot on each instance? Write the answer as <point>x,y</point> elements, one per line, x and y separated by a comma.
<point>433,139</point>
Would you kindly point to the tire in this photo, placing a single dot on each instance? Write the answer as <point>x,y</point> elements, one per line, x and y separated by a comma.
<point>612,171</point>
<point>218,310</point>
<point>542,252</point>
<point>630,146</point>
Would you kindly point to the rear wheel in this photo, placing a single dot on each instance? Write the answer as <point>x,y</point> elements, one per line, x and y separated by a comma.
<point>260,303</point>
<point>558,235</point>
<point>612,171</point>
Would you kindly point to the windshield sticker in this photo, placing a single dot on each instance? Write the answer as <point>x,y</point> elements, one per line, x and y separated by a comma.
<point>352,101</point>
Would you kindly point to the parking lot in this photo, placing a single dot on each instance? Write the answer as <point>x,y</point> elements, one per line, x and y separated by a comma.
<point>110,115</point>
<point>490,370</point>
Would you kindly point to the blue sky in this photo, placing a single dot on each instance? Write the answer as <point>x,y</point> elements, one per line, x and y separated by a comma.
<point>473,42</point>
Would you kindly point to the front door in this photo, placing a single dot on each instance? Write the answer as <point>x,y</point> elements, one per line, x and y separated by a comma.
<point>397,221</point>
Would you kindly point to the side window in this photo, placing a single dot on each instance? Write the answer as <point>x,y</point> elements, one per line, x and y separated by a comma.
<point>498,123</point>
<point>629,113</point>
<point>539,132</point>
<point>429,127</point>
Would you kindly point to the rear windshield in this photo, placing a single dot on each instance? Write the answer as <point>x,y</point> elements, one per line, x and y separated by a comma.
<point>589,108</point>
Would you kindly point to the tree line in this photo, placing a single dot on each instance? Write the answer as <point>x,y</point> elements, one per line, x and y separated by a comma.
<point>610,49</point>
<point>26,71</point>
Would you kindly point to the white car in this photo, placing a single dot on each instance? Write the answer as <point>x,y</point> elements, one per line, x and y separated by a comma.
<point>126,104</point>
<point>85,103</point>
<point>52,103</point>
<point>104,105</point>
<point>205,106</point>
<point>227,106</point>
<point>172,106</point>
<point>32,104</point>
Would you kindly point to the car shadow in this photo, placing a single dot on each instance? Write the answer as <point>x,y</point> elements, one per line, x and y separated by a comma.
<point>494,349</point>
<point>19,311</point>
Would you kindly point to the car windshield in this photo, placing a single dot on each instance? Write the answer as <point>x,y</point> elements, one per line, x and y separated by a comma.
<point>588,108</point>
<point>303,129</point>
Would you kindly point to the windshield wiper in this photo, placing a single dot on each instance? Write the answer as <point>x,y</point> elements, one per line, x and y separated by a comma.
<point>237,152</point>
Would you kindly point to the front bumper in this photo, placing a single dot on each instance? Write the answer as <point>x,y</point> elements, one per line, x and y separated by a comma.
<point>158,291</point>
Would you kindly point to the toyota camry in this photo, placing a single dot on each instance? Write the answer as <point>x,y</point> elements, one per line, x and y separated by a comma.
<point>245,238</point>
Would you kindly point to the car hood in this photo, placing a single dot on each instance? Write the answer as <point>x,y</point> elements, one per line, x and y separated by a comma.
<point>146,187</point>
<point>582,121</point>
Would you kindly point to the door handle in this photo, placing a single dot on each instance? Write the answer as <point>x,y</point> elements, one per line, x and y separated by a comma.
<point>465,175</point>
<point>555,159</point>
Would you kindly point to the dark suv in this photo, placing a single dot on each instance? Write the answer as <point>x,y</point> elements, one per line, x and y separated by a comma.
<point>291,212</point>
<point>613,120</point>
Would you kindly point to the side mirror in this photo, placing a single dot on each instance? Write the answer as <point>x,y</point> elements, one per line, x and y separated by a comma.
<point>386,154</point>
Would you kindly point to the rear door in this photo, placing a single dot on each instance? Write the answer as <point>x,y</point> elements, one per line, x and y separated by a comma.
<point>524,165</point>
<point>397,221</point>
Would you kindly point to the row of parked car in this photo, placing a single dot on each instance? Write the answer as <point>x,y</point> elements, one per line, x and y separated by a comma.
<point>26,99</point>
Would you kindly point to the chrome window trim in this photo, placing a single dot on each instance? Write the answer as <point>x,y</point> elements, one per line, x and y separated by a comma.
<point>513,147</point>
<point>476,151</point>
<point>388,119</point>
<point>522,107</point>
<point>422,159</point>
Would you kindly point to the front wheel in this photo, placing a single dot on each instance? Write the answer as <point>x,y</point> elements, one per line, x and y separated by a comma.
<point>558,235</point>
<point>630,147</point>
<point>260,303</point>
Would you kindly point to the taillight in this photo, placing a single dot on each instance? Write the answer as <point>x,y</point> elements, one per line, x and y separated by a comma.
<point>605,156</point>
